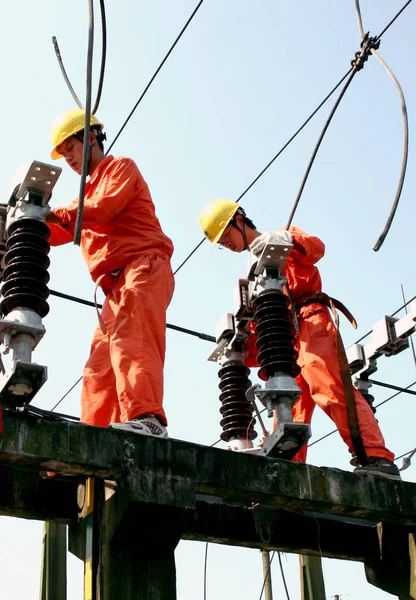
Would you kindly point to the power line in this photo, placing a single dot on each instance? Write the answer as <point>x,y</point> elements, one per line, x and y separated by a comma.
<point>155,74</point>
<point>269,164</point>
<point>350,72</point>
<point>198,334</point>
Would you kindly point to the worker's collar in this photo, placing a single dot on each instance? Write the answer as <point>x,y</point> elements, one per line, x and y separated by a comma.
<point>100,167</point>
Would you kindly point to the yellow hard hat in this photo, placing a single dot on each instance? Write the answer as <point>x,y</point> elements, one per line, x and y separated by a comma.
<point>215,217</point>
<point>68,124</point>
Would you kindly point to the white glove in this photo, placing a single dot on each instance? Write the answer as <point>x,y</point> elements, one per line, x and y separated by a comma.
<point>270,237</point>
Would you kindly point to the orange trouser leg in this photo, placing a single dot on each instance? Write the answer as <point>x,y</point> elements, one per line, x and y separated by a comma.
<point>320,370</point>
<point>99,401</point>
<point>126,368</point>
<point>302,413</point>
<point>138,341</point>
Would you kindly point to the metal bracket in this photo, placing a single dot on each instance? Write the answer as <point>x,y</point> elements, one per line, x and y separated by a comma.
<point>40,178</point>
<point>20,383</point>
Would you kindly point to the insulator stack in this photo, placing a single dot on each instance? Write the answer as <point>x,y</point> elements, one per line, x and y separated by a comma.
<point>25,277</point>
<point>275,338</point>
<point>237,421</point>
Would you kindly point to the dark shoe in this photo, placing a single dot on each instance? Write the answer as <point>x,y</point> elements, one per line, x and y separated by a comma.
<point>380,466</point>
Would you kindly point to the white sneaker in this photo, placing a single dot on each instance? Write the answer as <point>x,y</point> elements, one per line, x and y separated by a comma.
<point>145,425</point>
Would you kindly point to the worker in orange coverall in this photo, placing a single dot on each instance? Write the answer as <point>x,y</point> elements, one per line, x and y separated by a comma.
<point>226,223</point>
<point>128,255</point>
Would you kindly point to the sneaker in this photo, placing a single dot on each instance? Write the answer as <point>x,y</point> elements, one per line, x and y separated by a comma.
<point>145,425</point>
<point>380,466</point>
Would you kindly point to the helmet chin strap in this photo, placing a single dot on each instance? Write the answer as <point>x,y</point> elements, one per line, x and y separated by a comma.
<point>242,230</point>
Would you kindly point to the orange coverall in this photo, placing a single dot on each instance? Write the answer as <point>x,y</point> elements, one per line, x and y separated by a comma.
<point>128,255</point>
<point>320,378</point>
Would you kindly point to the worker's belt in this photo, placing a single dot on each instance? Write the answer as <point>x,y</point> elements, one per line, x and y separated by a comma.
<point>322,298</point>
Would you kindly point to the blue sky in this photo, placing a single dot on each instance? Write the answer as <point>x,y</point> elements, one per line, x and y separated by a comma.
<point>240,82</point>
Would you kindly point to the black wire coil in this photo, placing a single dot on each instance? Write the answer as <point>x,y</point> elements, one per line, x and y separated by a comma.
<point>236,410</point>
<point>275,338</point>
<point>25,277</point>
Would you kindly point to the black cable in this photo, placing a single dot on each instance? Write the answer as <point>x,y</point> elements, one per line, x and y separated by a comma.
<point>404,162</point>
<point>267,575</point>
<point>155,74</point>
<point>376,406</point>
<point>393,19</point>
<point>315,150</point>
<point>294,135</point>
<point>283,576</point>
<point>390,386</point>
<point>103,57</point>
<point>86,149</point>
<point>61,65</point>
<point>198,334</point>
<point>205,571</point>
<point>274,158</point>
<point>189,255</point>
<point>66,394</point>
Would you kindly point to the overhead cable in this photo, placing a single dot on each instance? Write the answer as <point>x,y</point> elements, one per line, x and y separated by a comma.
<point>155,74</point>
<point>103,57</point>
<point>198,334</point>
<point>269,164</point>
<point>375,40</point>
<point>64,73</point>
<point>390,386</point>
<point>102,69</point>
<point>399,188</point>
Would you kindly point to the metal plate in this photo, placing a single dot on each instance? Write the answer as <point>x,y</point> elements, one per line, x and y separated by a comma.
<point>40,177</point>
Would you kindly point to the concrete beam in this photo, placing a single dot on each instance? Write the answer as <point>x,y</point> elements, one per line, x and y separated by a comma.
<point>172,472</point>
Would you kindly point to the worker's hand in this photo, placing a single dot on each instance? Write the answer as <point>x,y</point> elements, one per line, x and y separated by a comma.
<point>270,237</point>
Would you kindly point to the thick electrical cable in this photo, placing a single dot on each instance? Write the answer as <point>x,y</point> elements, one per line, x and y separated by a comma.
<point>184,28</point>
<point>405,153</point>
<point>103,57</point>
<point>269,164</point>
<point>318,143</point>
<point>376,406</point>
<point>63,71</point>
<point>402,175</point>
<point>86,149</point>
<point>198,334</point>
<point>267,575</point>
<point>283,148</point>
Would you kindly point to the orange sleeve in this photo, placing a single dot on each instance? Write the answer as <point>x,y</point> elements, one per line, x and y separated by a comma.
<point>116,191</point>
<point>307,249</point>
<point>59,235</point>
